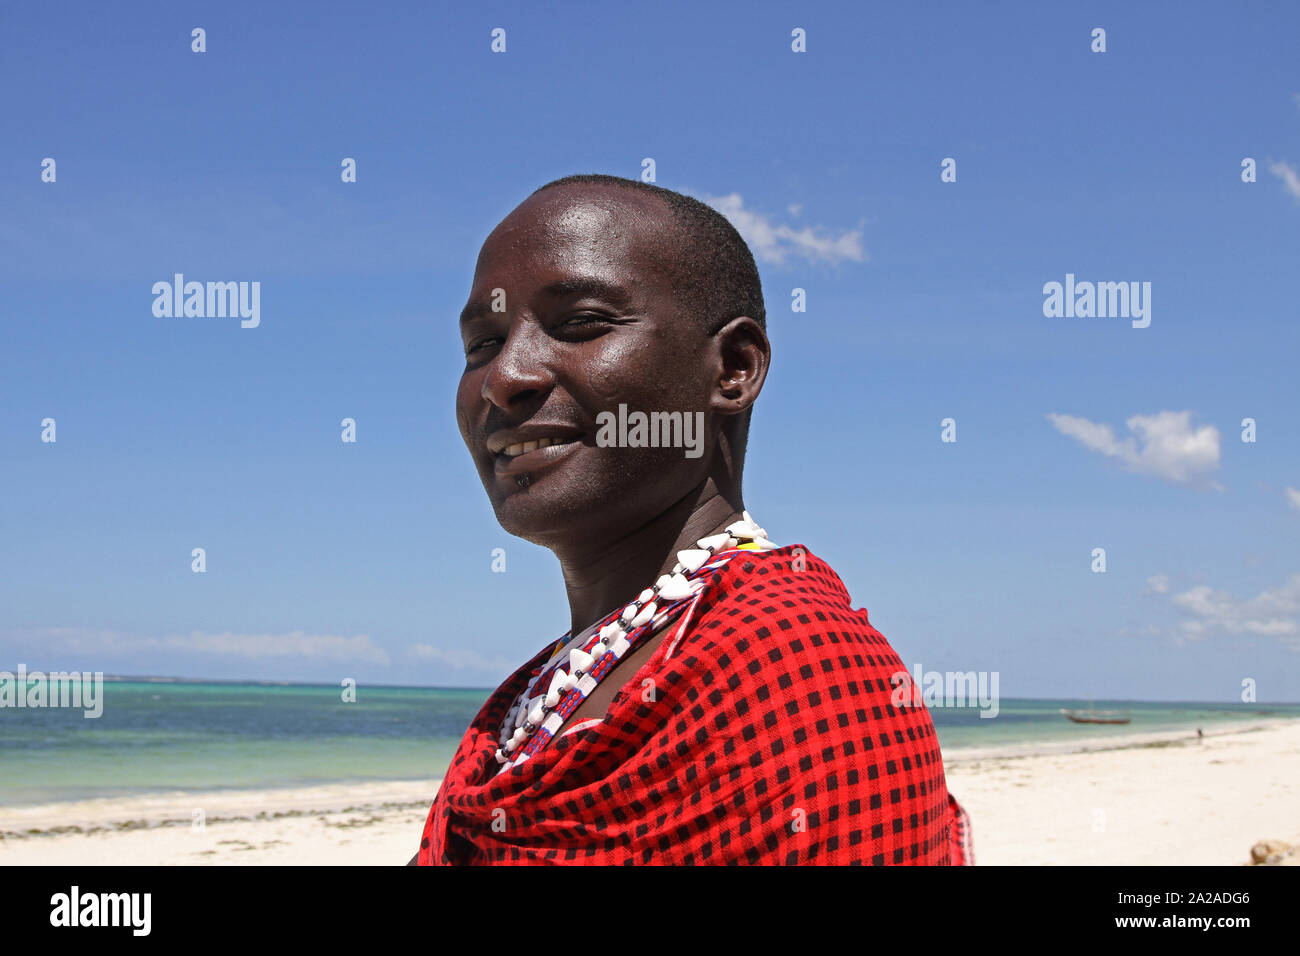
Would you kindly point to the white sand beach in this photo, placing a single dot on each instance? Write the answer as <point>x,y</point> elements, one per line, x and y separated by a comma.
<point>371,824</point>
<point>1145,799</point>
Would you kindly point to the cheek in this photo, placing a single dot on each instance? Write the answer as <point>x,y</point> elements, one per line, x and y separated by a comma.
<point>466,396</point>
<point>608,374</point>
<point>636,372</point>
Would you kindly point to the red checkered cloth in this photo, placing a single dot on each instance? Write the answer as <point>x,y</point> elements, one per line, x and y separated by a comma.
<point>769,738</point>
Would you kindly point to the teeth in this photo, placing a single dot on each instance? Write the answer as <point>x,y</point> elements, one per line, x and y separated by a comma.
<point>524,448</point>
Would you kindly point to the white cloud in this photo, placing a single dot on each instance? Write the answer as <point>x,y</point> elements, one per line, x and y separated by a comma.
<point>1293,497</point>
<point>1163,445</point>
<point>1274,612</point>
<point>463,659</point>
<point>1157,584</point>
<point>774,242</point>
<point>294,644</point>
<point>1287,173</point>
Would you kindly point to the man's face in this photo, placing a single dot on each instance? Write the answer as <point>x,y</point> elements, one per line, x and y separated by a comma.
<point>590,321</point>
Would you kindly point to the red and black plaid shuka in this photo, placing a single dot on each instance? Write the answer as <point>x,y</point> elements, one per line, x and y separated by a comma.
<point>770,738</point>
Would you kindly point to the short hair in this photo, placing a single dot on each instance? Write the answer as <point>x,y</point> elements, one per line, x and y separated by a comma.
<point>713,265</point>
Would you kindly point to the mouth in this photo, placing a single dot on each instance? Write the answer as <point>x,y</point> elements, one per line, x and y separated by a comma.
<point>533,455</point>
<point>524,447</point>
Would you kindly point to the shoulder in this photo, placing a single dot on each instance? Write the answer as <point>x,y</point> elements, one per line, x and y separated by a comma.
<point>778,628</point>
<point>779,690</point>
<point>781,637</point>
<point>788,599</point>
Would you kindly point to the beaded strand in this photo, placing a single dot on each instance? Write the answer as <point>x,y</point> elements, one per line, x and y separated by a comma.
<point>530,713</point>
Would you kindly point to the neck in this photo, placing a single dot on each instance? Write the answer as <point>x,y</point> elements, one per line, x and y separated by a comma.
<point>599,580</point>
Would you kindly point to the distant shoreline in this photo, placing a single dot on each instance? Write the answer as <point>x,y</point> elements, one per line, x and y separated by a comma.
<point>1258,706</point>
<point>1123,740</point>
<point>319,795</point>
<point>1144,799</point>
<point>248,682</point>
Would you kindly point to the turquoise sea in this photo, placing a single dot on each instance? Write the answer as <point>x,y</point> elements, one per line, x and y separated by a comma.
<point>170,735</point>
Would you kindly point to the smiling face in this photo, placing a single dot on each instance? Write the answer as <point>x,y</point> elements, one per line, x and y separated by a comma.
<point>590,321</point>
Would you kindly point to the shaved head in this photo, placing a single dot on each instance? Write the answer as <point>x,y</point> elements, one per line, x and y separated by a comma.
<point>709,261</point>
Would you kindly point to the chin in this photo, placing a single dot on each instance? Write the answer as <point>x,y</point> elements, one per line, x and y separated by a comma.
<point>535,516</point>
<point>548,512</point>
<point>563,505</point>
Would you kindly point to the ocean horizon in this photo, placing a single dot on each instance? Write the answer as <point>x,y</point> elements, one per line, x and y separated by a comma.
<point>166,734</point>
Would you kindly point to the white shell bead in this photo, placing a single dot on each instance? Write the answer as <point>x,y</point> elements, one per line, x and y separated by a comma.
<point>693,559</point>
<point>744,529</point>
<point>676,589</point>
<point>644,617</point>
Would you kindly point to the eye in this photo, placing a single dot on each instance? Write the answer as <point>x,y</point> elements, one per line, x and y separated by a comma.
<point>481,343</point>
<point>582,321</point>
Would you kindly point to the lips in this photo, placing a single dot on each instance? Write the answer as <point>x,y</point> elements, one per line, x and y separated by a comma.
<point>531,448</point>
<point>523,448</point>
<point>534,433</point>
<point>535,460</point>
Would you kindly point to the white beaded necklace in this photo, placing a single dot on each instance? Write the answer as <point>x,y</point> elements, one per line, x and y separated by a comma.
<point>532,713</point>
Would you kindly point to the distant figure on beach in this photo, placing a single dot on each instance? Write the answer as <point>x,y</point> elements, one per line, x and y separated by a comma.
<point>1199,735</point>
<point>717,698</point>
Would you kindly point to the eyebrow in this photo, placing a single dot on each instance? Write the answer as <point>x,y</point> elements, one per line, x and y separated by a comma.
<point>580,286</point>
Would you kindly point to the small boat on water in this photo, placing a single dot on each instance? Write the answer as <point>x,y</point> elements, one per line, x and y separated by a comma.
<point>1091,716</point>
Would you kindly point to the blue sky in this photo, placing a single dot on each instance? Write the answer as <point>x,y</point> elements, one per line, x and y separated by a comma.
<point>372,560</point>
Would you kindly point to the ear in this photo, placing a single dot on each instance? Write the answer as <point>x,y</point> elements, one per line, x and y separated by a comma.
<point>742,355</point>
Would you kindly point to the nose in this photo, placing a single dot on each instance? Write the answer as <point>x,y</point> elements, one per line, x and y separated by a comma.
<point>519,370</point>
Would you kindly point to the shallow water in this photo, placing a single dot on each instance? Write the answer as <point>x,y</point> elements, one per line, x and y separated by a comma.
<point>160,736</point>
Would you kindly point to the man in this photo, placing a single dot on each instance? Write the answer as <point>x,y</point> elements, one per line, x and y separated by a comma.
<point>717,699</point>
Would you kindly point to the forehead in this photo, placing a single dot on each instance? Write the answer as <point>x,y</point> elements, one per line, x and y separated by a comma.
<point>581,229</point>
